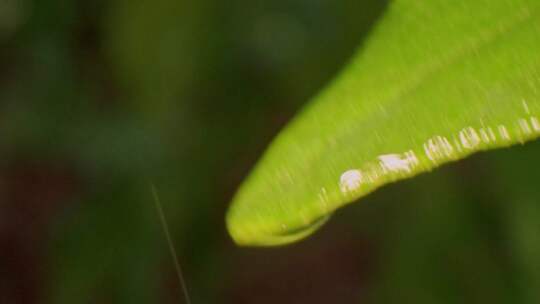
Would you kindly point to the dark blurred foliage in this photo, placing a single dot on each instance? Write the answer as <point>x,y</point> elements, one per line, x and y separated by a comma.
<point>100,98</point>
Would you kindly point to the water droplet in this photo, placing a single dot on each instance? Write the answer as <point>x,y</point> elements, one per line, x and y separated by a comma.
<point>524,126</point>
<point>492,134</point>
<point>350,180</point>
<point>438,148</point>
<point>398,162</point>
<point>484,136</point>
<point>469,138</point>
<point>504,132</point>
<point>535,124</point>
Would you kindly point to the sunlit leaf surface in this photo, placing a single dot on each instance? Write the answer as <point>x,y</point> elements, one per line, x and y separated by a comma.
<point>435,82</point>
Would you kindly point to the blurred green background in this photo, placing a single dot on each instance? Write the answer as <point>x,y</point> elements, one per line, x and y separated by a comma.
<point>98,98</point>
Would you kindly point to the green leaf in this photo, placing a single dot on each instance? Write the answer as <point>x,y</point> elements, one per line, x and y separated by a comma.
<point>436,81</point>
